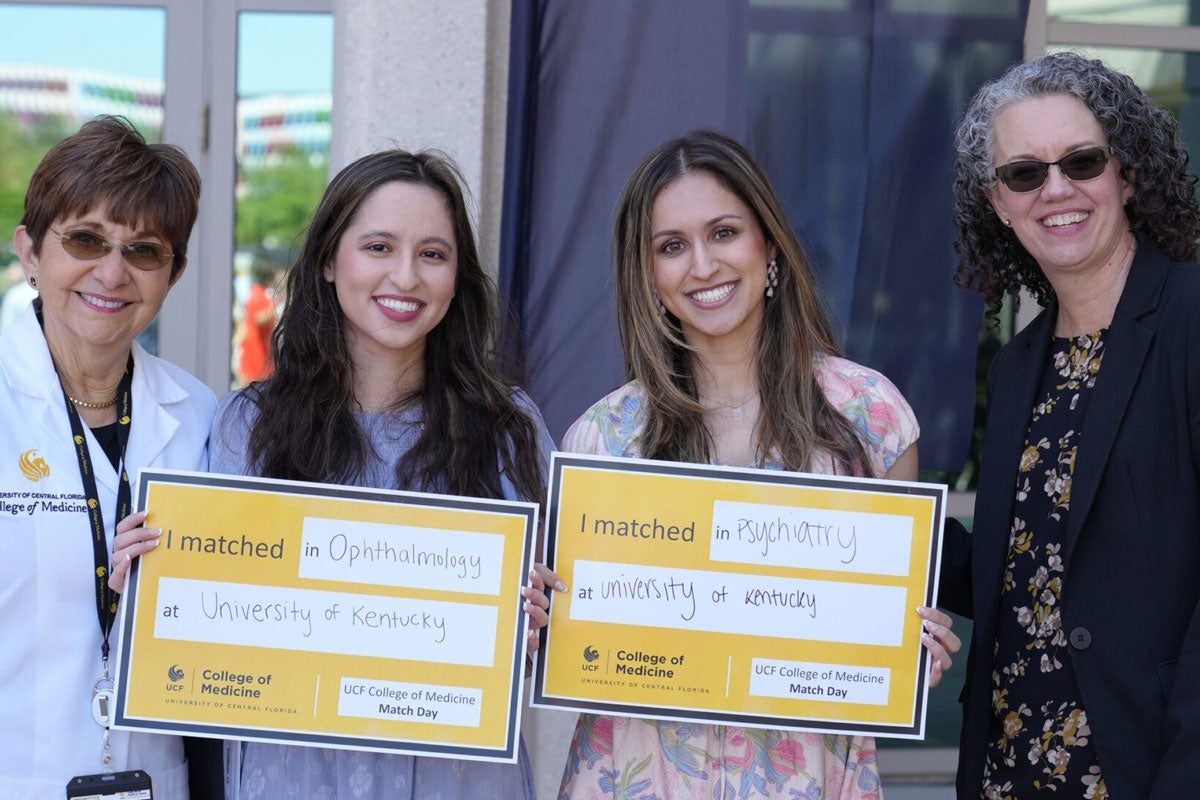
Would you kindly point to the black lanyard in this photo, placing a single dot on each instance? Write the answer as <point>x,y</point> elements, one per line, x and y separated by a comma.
<point>106,598</point>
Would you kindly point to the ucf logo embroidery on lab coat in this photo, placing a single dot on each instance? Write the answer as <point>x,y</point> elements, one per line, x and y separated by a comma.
<point>33,466</point>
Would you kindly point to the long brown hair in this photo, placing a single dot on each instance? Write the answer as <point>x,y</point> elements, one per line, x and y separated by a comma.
<point>796,419</point>
<point>474,428</point>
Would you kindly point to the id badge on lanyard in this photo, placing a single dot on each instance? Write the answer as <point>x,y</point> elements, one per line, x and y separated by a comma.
<point>132,785</point>
<point>106,599</point>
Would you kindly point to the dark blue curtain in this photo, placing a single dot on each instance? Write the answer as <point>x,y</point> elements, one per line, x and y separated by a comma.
<point>851,110</point>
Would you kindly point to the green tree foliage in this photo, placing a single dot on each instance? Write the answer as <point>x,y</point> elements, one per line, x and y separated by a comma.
<point>21,148</point>
<point>276,201</point>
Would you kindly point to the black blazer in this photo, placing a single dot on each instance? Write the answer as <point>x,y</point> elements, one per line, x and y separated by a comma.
<point>1131,584</point>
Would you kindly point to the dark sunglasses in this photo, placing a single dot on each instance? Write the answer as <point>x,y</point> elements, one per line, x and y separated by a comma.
<point>88,246</point>
<point>1028,176</point>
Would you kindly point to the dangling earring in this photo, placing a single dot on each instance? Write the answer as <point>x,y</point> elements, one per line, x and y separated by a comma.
<point>772,277</point>
<point>658,303</point>
<point>33,281</point>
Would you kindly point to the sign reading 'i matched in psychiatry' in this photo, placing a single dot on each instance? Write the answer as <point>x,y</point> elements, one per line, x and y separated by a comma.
<point>327,616</point>
<point>737,596</point>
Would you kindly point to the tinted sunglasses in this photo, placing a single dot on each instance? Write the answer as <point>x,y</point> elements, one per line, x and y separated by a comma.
<point>88,245</point>
<point>1028,176</point>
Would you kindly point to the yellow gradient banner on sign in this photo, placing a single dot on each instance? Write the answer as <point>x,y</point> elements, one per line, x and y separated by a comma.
<point>329,616</point>
<point>736,596</point>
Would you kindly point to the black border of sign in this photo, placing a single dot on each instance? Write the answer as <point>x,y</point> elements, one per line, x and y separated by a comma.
<point>507,754</point>
<point>560,460</point>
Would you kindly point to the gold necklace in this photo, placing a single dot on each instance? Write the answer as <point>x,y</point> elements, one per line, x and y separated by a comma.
<point>85,404</point>
<point>735,411</point>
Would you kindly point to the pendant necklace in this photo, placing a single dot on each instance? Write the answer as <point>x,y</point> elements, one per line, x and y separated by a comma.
<point>734,410</point>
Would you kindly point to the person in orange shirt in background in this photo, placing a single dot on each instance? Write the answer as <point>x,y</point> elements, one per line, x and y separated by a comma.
<point>258,323</point>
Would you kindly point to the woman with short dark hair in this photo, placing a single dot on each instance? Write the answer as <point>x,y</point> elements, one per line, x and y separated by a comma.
<point>103,239</point>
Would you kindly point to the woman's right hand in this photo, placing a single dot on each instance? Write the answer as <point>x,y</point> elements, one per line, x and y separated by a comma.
<point>939,638</point>
<point>542,580</point>
<point>132,540</point>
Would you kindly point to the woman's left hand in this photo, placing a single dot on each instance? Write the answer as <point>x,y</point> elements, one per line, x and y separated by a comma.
<point>537,602</point>
<point>132,540</point>
<point>939,640</point>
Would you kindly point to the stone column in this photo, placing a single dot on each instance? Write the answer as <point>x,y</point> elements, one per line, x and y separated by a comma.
<point>416,74</point>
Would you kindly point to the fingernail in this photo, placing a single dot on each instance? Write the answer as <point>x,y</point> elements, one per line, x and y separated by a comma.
<point>560,586</point>
<point>923,610</point>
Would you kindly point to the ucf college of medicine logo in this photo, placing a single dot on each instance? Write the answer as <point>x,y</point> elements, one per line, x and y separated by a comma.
<point>590,656</point>
<point>175,675</point>
<point>33,466</point>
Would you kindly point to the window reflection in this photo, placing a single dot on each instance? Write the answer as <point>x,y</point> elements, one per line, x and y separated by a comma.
<point>99,60</point>
<point>1123,12</point>
<point>285,75</point>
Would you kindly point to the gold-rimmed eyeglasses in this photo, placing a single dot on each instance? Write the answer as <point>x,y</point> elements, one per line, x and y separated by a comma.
<point>87,245</point>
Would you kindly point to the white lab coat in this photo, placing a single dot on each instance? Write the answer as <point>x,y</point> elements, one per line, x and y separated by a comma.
<point>49,635</point>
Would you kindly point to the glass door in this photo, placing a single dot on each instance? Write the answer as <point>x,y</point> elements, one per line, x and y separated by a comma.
<point>62,65</point>
<point>284,100</point>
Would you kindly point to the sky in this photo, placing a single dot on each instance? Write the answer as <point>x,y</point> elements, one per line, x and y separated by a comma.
<point>277,52</point>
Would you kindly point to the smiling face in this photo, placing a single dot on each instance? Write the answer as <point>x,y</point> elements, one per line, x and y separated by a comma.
<point>93,307</point>
<point>710,260</point>
<point>394,272</point>
<point>1067,226</point>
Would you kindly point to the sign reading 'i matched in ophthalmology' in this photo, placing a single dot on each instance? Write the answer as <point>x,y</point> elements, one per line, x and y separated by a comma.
<point>329,616</point>
<point>746,597</point>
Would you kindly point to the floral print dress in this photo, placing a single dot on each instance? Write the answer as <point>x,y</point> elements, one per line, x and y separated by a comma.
<point>620,758</point>
<point>1040,743</point>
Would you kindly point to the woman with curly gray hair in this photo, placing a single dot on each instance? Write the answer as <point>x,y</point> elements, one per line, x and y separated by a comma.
<point>1083,573</point>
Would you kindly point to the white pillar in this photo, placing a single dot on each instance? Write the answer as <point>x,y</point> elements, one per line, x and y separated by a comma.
<point>418,74</point>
